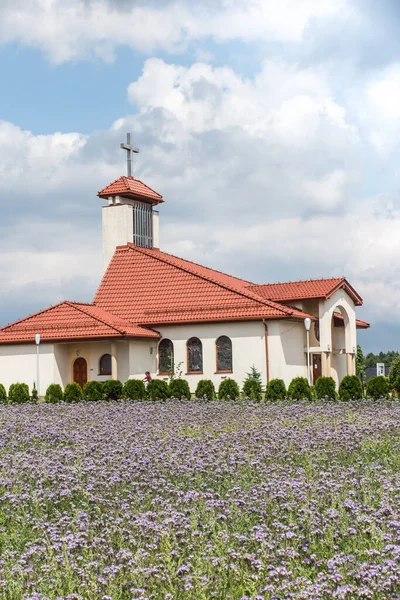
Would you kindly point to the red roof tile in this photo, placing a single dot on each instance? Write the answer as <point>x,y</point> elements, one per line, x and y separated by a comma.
<point>128,186</point>
<point>359,324</point>
<point>151,287</point>
<point>72,321</point>
<point>303,290</point>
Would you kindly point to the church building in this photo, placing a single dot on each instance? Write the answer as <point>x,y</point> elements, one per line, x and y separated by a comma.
<point>157,312</point>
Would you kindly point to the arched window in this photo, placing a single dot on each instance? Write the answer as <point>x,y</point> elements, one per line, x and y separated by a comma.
<point>194,356</point>
<point>105,365</point>
<point>165,357</point>
<point>224,353</point>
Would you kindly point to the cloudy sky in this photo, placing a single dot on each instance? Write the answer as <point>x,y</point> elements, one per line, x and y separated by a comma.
<point>272,129</point>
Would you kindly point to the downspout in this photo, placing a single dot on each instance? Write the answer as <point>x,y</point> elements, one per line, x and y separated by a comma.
<point>266,349</point>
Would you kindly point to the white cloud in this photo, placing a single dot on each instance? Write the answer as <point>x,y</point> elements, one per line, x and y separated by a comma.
<point>74,29</point>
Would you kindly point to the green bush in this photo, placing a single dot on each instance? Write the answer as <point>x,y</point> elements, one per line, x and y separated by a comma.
<point>299,388</point>
<point>34,395</point>
<point>134,389</point>
<point>394,371</point>
<point>377,387</point>
<point>157,389</point>
<point>3,394</point>
<point>93,391</point>
<point>276,390</point>
<point>325,387</point>
<point>228,389</point>
<point>112,389</point>
<point>350,388</point>
<point>18,393</point>
<point>252,389</point>
<point>73,393</point>
<point>54,394</point>
<point>205,389</point>
<point>396,385</point>
<point>179,388</point>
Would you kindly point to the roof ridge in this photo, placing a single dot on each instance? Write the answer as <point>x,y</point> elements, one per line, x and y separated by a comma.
<point>98,318</point>
<point>35,314</point>
<point>243,293</point>
<point>299,281</point>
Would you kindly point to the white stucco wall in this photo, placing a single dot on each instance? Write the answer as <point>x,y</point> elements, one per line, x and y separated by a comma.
<point>248,348</point>
<point>327,308</point>
<point>117,224</point>
<point>286,342</point>
<point>18,365</point>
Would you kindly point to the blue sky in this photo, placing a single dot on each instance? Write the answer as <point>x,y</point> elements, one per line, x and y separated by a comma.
<point>271,129</point>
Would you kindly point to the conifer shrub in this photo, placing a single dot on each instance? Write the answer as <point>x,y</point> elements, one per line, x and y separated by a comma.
<point>252,389</point>
<point>18,393</point>
<point>179,388</point>
<point>73,393</point>
<point>350,388</point>
<point>299,389</point>
<point>93,391</point>
<point>205,389</point>
<point>377,387</point>
<point>54,394</point>
<point>228,389</point>
<point>157,389</point>
<point>34,394</point>
<point>134,389</point>
<point>3,394</point>
<point>276,390</point>
<point>112,389</point>
<point>396,385</point>
<point>325,387</point>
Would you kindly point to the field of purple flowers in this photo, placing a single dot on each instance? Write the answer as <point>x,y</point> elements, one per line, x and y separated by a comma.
<point>196,500</point>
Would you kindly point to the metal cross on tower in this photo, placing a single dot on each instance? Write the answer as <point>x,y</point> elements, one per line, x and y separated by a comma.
<point>130,150</point>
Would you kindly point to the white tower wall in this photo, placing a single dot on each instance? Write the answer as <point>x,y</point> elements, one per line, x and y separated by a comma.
<point>117,229</point>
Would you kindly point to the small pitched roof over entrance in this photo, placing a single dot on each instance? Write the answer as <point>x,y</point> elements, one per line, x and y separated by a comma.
<point>151,287</point>
<point>305,290</point>
<point>131,188</point>
<point>70,321</point>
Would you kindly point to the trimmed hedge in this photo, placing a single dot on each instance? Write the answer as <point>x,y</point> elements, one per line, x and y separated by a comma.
<point>325,387</point>
<point>73,393</point>
<point>179,388</point>
<point>157,389</point>
<point>3,394</point>
<point>112,389</point>
<point>205,389</point>
<point>134,389</point>
<point>18,393</point>
<point>350,388</point>
<point>252,389</point>
<point>299,388</point>
<point>377,387</point>
<point>93,391</point>
<point>34,395</point>
<point>228,389</point>
<point>54,394</point>
<point>276,390</point>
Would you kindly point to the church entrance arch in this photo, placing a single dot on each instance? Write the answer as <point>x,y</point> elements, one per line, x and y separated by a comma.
<point>341,350</point>
<point>80,371</point>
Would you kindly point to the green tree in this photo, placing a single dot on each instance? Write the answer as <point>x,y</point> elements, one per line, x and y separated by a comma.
<point>394,372</point>
<point>360,364</point>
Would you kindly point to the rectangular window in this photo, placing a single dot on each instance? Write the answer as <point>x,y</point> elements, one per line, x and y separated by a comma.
<point>142,225</point>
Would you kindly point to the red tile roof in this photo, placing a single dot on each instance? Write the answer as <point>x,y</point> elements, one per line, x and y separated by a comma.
<point>151,287</point>
<point>128,186</point>
<point>359,324</point>
<point>304,290</point>
<point>72,321</point>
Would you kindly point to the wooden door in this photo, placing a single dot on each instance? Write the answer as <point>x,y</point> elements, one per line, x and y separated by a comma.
<point>80,371</point>
<point>316,367</point>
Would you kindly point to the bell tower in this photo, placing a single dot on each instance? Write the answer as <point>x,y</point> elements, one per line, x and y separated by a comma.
<point>130,215</point>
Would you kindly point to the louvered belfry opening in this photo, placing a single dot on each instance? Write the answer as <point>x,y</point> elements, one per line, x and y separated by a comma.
<point>143,225</point>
